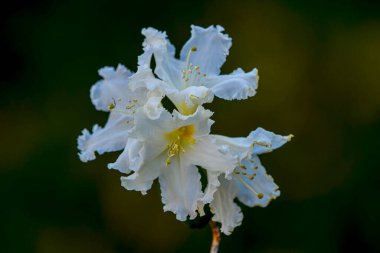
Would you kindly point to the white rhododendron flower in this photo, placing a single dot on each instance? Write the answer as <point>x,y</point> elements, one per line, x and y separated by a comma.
<point>249,183</point>
<point>170,147</point>
<point>120,92</point>
<point>177,147</point>
<point>195,77</point>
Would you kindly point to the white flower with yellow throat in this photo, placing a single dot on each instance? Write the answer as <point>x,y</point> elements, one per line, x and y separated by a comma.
<point>195,77</point>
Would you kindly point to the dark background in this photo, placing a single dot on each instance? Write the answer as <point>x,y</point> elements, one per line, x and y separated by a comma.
<point>319,66</point>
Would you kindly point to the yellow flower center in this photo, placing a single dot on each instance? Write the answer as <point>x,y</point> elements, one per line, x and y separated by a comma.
<point>179,139</point>
<point>186,110</point>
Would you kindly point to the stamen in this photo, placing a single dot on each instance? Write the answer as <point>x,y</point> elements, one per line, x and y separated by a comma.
<point>167,162</point>
<point>111,106</point>
<point>263,144</point>
<point>259,195</point>
<point>193,49</point>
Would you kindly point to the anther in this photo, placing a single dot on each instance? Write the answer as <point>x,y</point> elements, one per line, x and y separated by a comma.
<point>111,106</point>
<point>196,67</point>
<point>129,106</point>
<point>193,49</point>
<point>260,195</point>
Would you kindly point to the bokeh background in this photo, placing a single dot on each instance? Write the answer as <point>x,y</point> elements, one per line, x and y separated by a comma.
<point>319,66</point>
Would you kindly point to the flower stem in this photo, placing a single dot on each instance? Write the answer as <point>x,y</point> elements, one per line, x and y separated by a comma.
<point>215,237</point>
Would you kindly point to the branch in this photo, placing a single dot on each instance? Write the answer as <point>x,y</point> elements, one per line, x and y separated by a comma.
<point>215,237</point>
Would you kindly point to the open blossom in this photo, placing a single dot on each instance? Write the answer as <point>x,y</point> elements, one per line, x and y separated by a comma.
<point>195,77</point>
<point>174,146</point>
<point>249,183</point>
<point>121,92</point>
<point>170,147</point>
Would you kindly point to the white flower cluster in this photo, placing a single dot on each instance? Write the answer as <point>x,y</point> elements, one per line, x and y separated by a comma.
<point>175,146</point>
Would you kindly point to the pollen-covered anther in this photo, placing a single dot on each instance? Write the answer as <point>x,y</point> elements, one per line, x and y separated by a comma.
<point>259,195</point>
<point>251,177</point>
<point>111,106</point>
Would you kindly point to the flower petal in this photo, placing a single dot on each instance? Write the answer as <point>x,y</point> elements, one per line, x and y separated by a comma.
<point>265,141</point>
<point>212,48</point>
<point>130,159</point>
<point>212,186</point>
<point>181,189</point>
<point>142,179</point>
<point>262,183</point>
<point>144,80</point>
<point>205,153</point>
<point>225,210</point>
<point>237,85</point>
<point>112,137</point>
<point>200,119</point>
<point>167,67</point>
<point>112,87</point>
<point>188,100</point>
<point>238,147</point>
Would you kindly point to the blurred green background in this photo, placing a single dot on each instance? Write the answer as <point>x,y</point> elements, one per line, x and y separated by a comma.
<point>319,66</point>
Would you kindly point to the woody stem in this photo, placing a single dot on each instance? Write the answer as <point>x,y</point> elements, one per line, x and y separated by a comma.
<point>215,237</point>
